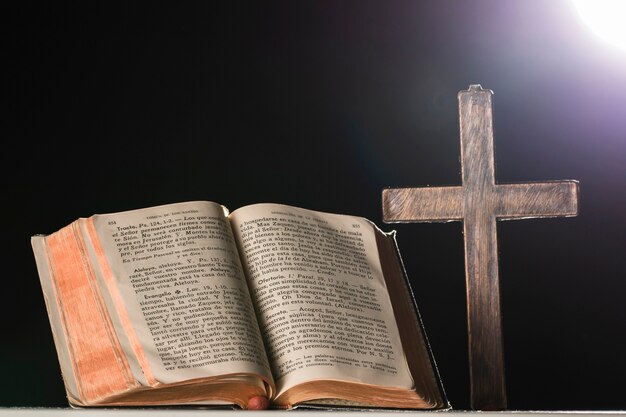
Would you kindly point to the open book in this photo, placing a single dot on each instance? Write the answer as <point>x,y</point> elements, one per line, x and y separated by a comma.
<point>189,304</point>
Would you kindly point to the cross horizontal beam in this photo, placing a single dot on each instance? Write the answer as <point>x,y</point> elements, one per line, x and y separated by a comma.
<point>506,201</point>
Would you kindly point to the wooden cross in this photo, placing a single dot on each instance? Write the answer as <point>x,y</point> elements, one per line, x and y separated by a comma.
<point>479,202</point>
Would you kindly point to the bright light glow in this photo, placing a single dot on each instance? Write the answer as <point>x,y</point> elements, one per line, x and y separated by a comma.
<point>607,18</point>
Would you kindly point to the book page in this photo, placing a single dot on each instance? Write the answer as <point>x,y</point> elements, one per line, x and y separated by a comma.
<point>317,283</point>
<point>178,279</point>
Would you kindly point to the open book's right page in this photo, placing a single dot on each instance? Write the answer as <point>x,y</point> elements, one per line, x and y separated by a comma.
<point>322,301</point>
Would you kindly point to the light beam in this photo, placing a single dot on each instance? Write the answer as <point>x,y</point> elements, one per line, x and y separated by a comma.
<point>606,18</point>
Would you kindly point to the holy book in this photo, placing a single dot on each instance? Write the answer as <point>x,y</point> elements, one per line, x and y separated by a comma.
<point>191,304</point>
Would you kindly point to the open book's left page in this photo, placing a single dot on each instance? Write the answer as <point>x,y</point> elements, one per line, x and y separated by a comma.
<point>169,289</point>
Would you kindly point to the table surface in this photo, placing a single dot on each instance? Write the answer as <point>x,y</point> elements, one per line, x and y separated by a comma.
<point>59,412</point>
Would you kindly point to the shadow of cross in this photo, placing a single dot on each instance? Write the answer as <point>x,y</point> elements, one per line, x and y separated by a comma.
<point>479,202</point>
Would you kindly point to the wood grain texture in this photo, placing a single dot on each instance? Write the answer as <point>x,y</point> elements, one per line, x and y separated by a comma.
<point>479,203</point>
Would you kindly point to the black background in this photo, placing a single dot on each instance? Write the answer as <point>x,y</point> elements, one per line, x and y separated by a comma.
<point>109,107</point>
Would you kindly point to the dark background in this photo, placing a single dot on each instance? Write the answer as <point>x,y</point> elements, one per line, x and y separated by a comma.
<point>109,107</point>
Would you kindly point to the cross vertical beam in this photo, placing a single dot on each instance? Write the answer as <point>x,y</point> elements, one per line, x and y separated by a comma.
<point>486,358</point>
<point>479,203</point>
